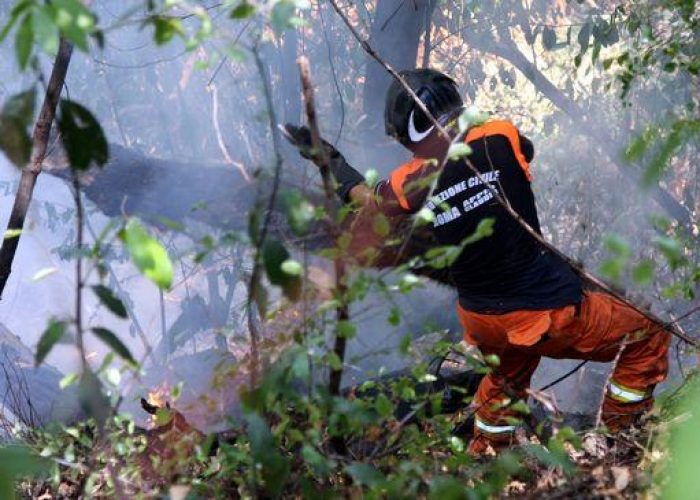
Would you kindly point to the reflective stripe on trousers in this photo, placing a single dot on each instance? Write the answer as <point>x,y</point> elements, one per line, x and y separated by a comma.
<point>493,429</point>
<point>625,394</point>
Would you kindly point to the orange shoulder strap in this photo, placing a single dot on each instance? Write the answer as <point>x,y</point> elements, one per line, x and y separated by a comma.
<point>504,128</point>
<point>398,179</point>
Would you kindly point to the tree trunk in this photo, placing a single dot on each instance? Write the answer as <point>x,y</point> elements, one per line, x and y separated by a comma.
<point>40,139</point>
<point>395,34</point>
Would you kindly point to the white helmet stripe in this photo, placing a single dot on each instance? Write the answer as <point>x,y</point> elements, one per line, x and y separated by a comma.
<point>413,134</point>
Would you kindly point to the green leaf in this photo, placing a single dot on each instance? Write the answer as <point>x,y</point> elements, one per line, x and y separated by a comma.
<point>300,213</point>
<point>672,250</point>
<point>458,151</point>
<point>15,117</point>
<point>681,132</point>
<point>684,480</point>
<point>23,41</point>
<point>45,29</point>
<point>109,338</point>
<point>274,254</point>
<point>282,15</point>
<point>82,136</point>
<point>380,225</point>
<point>43,273</point>
<point>74,20</point>
<point>346,329</point>
<point>383,406</point>
<point>166,28</point>
<point>640,145</point>
<point>448,488</point>
<point>275,466</point>
<point>394,316</point>
<point>364,474</point>
<point>371,177</point>
<point>148,255</point>
<point>243,10</point>
<point>643,273</point>
<point>68,380</point>
<point>16,12</point>
<point>292,267</point>
<point>617,246</point>
<point>111,301</point>
<point>17,461</point>
<point>612,269</point>
<point>51,336</point>
<point>483,230</point>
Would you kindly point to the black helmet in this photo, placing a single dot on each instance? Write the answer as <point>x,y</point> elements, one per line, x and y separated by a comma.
<point>403,120</point>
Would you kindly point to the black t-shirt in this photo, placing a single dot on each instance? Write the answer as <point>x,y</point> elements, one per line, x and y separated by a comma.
<point>508,270</point>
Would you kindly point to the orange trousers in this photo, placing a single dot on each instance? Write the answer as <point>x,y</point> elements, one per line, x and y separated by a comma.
<point>596,331</point>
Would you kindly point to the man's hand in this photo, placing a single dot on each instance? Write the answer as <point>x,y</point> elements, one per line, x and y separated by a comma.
<point>301,138</point>
<point>345,176</point>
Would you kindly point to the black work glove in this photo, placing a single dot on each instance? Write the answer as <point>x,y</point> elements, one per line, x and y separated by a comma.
<point>345,176</point>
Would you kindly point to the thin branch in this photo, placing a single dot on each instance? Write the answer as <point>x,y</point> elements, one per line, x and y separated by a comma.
<point>342,312</point>
<point>79,282</point>
<point>599,414</point>
<point>333,73</point>
<point>40,140</point>
<point>219,136</point>
<point>255,274</point>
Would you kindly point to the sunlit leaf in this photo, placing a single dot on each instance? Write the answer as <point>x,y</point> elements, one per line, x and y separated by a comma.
<point>274,254</point>
<point>300,213</point>
<point>43,273</point>
<point>68,380</point>
<point>458,151</point>
<point>12,233</point>
<point>74,20</point>
<point>148,255</point>
<point>292,267</point>
<point>45,30</point>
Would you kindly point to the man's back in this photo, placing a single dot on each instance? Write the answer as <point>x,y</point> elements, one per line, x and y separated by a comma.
<point>507,270</point>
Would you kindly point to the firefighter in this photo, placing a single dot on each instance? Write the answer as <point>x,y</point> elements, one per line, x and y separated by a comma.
<point>517,299</point>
